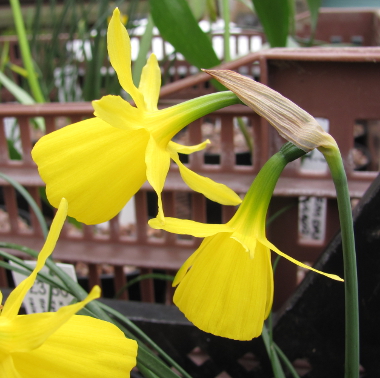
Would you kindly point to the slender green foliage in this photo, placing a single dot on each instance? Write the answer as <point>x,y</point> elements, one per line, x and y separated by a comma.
<point>25,52</point>
<point>145,45</point>
<point>314,6</point>
<point>272,353</point>
<point>30,201</point>
<point>226,34</point>
<point>178,26</point>
<point>61,280</point>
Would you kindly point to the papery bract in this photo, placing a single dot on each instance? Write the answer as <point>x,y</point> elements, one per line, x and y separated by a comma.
<point>292,122</point>
<point>60,344</point>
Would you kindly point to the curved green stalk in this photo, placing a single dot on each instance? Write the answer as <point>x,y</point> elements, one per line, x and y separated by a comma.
<point>334,160</point>
<point>25,52</point>
<point>289,152</point>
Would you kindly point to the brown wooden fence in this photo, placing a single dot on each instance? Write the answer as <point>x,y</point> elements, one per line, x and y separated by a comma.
<point>337,85</point>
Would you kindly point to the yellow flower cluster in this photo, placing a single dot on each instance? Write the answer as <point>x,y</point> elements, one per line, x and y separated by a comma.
<point>226,286</point>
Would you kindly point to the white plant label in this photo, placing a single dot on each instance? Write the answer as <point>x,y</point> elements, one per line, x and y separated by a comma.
<point>312,219</point>
<point>312,210</point>
<point>37,298</point>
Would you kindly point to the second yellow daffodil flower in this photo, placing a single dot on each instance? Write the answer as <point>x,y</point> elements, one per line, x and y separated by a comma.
<point>60,344</point>
<point>226,286</point>
<point>106,159</point>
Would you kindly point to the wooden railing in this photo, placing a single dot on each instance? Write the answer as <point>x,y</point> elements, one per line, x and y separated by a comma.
<point>336,84</point>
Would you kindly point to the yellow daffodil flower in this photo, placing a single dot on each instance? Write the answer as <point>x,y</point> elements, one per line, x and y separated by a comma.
<point>60,344</point>
<point>226,286</point>
<point>106,159</point>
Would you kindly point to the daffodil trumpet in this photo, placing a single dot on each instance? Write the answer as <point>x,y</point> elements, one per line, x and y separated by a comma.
<point>60,344</point>
<point>226,286</point>
<point>106,159</point>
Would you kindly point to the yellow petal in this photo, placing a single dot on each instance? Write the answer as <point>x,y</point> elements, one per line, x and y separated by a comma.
<point>188,227</point>
<point>212,190</point>
<point>27,332</point>
<point>247,242</point>
<point>95,166</point>
<point>188,263</point>
<point>13,303</point>
<point>270,283</point>
<point>150,83</point>
<point>225,292</point>
<point>119,50</point>
<point>83,347</point>
<point>7,368</point>
<point>187,149</point>
<point>282,254</point>
<point>157,162</point>
<point>118,113</point>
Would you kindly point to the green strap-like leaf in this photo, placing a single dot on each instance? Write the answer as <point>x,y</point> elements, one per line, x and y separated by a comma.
<point>274,16</point>
<point>25,52</point>
<point>314,10</point>
<point>198,7</point>
<point>177,25</point>
<point>22,97</point>
<point>20,94</point>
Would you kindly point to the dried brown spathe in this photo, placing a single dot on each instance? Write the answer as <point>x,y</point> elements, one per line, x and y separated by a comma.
<point>293,123</point>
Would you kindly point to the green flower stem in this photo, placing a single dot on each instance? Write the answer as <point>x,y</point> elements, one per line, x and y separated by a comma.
<point>256,200</point>
<point>334,160</point>
<point>184,113</point>
<point>25,51</point>
<point>226,35</point>
<point>211,102</point>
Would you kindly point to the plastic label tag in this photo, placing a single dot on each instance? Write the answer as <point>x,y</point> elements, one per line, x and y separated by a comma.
<point>37,298</point>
